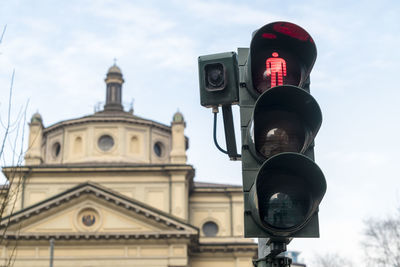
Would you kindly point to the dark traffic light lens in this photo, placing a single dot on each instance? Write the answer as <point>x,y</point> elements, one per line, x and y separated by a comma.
<point>277,132</point>
<point>288,205</point>
<point>283,211</point>
<point>215,76</point>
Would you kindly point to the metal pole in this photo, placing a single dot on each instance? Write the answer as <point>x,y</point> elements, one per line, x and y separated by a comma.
<point>268,253</point>
<point>230,133</point>
<point>51,251</point>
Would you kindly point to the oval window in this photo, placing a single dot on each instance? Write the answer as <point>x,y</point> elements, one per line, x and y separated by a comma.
<point>210,229</point>
<point>105,142</point>
<point>55,150</point>
<point>159,149</point>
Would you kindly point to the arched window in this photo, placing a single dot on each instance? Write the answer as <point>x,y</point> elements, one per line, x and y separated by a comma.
<point>55,150</point>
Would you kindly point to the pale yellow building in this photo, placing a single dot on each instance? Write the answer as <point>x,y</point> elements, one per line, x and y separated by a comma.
<point>115,189</point>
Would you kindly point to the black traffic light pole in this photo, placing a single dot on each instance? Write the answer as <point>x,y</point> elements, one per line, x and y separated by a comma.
<point>229,132</point>
<point>268,254</point>
<point>229,128</point>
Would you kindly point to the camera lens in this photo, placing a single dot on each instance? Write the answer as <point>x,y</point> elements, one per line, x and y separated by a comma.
<point>215,76</point>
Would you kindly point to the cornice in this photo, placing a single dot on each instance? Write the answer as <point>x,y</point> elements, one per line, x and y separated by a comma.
<point>207,190</point>
<point>105,117</point>
<point>225,248</point>
<point>207,187</point>
<point>99,236</point>
<point>99,167</point>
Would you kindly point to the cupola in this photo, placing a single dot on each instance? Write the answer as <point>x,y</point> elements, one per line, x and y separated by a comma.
<point>114,81</point>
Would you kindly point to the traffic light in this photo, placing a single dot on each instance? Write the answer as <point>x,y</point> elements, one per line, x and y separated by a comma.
<point>282,185</point>
<point>279,119</point>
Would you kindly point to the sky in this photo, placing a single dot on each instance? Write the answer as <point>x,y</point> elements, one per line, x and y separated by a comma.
<point>61,50</point>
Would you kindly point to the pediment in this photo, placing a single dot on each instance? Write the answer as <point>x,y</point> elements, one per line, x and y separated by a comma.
<point>91,210</point>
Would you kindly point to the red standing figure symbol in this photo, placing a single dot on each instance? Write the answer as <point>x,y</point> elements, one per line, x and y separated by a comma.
<point>276,68</point>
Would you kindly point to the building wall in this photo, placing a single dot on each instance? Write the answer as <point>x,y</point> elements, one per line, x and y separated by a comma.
<point>212,261</point>
<point>221,206</point>
<point>86,253</point>
<point>163,188</point>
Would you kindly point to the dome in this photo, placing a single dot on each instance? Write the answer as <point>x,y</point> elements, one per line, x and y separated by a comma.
<point>36,118</point>
<point>178,117</point>
<point>114,69</point>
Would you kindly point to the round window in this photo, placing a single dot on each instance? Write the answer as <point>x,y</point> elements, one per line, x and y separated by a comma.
<point>55,150</point>
<point>105,142</point>
<point>159,149</point>
<point>210,229</point>
<point>88,217</point>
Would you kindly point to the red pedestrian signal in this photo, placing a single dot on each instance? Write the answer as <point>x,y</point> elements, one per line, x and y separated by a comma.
<point>281,53</point>
<point>275,70</point>
<point>275,67</point>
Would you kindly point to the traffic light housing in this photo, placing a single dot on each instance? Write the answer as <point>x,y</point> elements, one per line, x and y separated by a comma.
<point>282,185</point>
<point>279,119</point>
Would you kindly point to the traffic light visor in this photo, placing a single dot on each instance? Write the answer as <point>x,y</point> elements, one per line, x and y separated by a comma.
<point>287,191</point>
<point>281,53</point>
<point>285,119</point>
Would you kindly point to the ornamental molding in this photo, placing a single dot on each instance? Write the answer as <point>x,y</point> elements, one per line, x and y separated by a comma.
<point>121,117</point>
<point>176,227</point>
<point>99,236</point>
<point>225,248</point>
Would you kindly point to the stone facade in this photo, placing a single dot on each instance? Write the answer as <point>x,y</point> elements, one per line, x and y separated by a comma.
<point>115,189</point>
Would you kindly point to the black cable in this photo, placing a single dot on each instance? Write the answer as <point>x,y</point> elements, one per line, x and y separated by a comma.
<point>215,134</point>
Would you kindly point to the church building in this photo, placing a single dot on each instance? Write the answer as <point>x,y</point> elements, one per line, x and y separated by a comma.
<point>114,189</point>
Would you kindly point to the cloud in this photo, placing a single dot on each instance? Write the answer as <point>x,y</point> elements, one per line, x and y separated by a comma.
<point>224,13</point>
<point>368,158</point>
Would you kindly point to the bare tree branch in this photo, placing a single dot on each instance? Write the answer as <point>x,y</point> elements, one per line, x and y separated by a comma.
<point>8,116</point>
<point>382,241</point>
<point>11,151</point>
<point>331,260</point>
<point>2,34</point>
